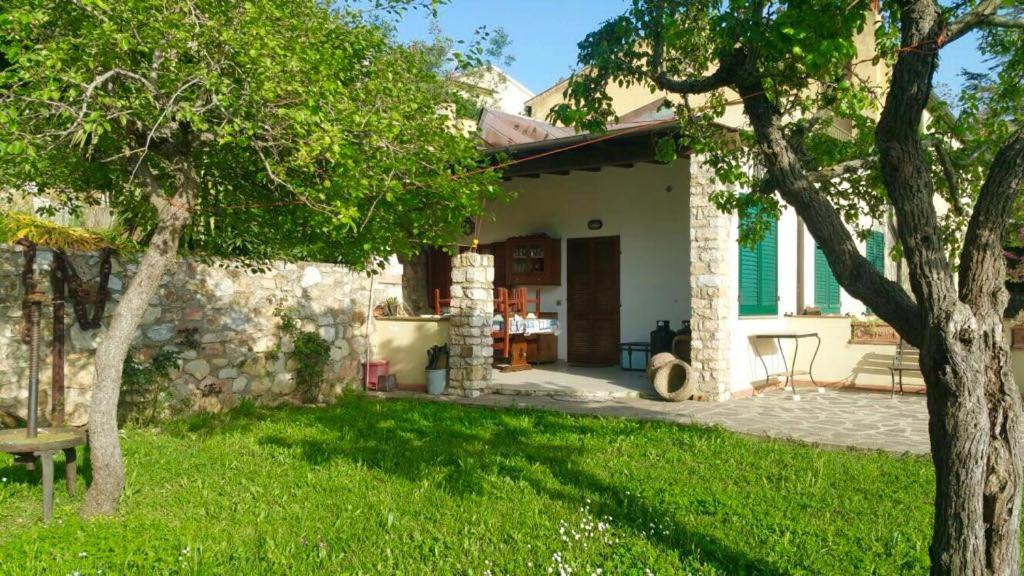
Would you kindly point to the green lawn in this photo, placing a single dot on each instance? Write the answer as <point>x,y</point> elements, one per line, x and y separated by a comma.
<point>406,487</point>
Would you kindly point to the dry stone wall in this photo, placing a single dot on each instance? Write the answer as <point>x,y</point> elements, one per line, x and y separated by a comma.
<point>220,320</point>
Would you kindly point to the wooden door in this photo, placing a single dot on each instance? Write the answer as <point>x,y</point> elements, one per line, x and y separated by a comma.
<point>592,295</point>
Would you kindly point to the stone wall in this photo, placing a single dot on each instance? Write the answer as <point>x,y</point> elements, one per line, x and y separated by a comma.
<point>220,320</point>
<point>711,306</point>
<point>469,333</point>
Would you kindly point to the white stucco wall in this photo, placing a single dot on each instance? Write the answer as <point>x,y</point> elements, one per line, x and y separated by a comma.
<point>496,89</point>
<point>646,206</point>
<point>837,359</point>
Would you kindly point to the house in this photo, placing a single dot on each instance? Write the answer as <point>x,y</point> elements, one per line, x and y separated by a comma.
<point>631,241</point>
<point>495,89</point>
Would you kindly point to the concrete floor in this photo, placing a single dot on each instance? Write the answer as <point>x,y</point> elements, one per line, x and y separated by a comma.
<point>560,380</point>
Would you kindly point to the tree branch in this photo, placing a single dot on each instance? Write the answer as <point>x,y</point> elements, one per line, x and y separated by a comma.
<point>982,267</point>
<point>949,174</point>
<point>903,162</point>
<point>796,187</point>
<point>97,82</point>
<point>984,15</point>
<point>720,78</point>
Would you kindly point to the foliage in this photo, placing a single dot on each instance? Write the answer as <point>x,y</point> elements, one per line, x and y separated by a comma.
<point>806,55</point>
<point>257,130</point>
<point>311,354</point>
<point>400,487</point>
<point>15,226</point>
<point>146,397</point>
<point>311,133</point>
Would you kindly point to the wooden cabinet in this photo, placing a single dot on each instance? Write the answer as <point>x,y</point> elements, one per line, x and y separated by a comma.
<point>533,261</point>
<point>542,349</point>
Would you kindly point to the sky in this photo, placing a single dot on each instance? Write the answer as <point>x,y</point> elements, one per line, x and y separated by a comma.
<point>544,34</point>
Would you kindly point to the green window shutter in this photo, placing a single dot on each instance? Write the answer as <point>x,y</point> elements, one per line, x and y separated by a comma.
<point>826,287</point>
<point>759,276</point>
<point>749,280</point>
<point>769,269</point>
<point>875,252</point>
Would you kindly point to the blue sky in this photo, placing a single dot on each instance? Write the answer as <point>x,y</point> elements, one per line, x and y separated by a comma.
<point>544,34</point>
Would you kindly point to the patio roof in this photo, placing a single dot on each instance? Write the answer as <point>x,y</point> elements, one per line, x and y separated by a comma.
<point>623,145</point>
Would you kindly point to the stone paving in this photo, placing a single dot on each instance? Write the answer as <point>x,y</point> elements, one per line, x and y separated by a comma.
<point>834,418</point>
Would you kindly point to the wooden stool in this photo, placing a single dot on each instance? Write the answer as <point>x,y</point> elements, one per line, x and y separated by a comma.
<point>48,442</point>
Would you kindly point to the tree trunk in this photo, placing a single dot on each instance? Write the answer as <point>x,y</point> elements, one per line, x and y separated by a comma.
<point>974,410</point>
<point>414,282</point>
<point>104,444</point>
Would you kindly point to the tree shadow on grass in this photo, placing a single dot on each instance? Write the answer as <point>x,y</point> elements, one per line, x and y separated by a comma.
<point>462,449</point>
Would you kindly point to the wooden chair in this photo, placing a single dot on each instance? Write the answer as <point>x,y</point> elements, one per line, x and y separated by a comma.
<point>907,358</point>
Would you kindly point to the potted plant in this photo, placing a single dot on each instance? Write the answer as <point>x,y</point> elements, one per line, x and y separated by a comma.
<point>389,308</point>
<point>872,331</point>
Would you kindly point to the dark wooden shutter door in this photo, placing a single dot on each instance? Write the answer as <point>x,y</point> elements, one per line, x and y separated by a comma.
<point>439,274</point>
<point>592,293</point>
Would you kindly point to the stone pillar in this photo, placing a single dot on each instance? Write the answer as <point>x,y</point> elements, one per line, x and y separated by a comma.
<point>710,304</point>
<point>469,331</point>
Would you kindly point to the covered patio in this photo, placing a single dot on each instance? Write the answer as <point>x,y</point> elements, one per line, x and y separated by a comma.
<point>562,381</point>
<point>612,241</point>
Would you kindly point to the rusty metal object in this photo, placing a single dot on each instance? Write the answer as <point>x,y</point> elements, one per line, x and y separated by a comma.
<point>58,288</point>
<point>27,279</point>
<point>84,294</point>
<point>35,301</point>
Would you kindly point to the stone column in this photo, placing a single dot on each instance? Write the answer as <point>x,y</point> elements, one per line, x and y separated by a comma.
<point>469,331</point>
<point>710,304</point>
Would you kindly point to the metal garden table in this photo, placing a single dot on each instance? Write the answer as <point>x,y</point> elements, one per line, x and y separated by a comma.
<point>789,369</point>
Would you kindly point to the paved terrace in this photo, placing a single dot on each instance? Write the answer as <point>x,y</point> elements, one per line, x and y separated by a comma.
<point>835,418</point>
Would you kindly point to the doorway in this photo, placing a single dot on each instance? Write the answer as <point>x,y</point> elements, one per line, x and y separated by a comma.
<point>592,299</point>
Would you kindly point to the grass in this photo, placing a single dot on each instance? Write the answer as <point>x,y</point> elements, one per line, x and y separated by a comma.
<point>407,487</point>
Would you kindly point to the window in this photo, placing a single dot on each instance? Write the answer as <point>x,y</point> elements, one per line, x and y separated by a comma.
<point>875,252</point>
<point>759,276</point>
<point>826,287</point>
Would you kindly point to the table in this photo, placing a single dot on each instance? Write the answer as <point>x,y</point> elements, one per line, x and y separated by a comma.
<point>48,442</point>
<point>789,369</point>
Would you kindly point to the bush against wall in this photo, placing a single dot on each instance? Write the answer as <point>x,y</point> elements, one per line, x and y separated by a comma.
<point>146,393</point>
<point>311,353</point>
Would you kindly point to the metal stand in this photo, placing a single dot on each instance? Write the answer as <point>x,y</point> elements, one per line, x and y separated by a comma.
<point>789,370</point>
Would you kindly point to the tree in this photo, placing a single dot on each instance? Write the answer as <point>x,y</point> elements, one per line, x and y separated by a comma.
<point>266,129</point>
<point>793,66</point>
